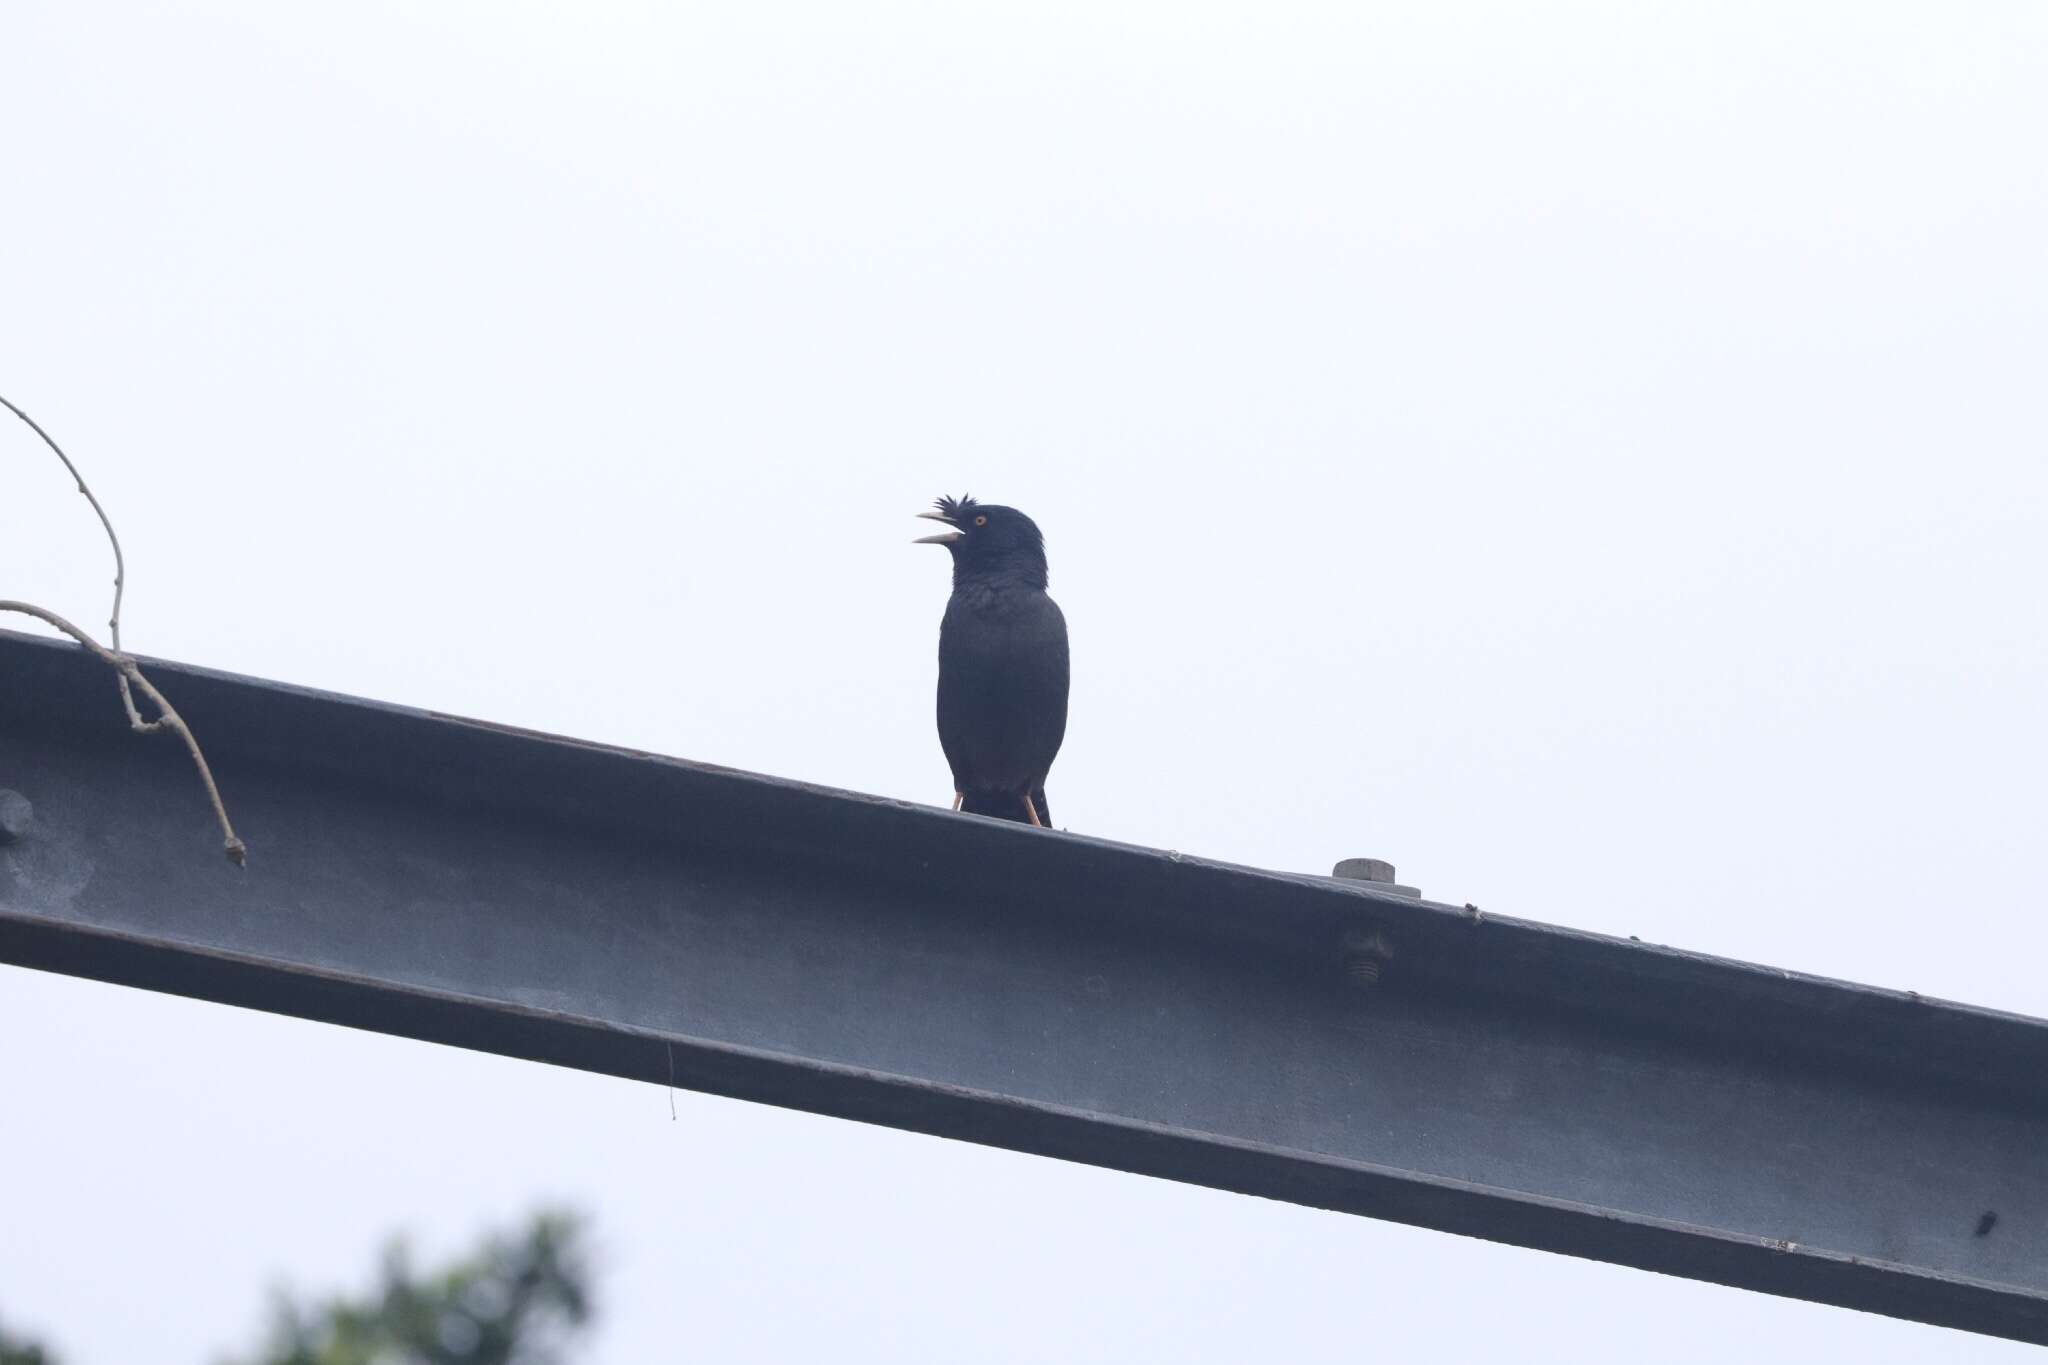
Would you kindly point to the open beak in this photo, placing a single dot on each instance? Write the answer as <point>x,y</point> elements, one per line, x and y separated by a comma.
<point>946,538</point>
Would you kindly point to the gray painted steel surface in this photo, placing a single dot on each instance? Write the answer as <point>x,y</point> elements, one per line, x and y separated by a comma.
<point>461,882</point>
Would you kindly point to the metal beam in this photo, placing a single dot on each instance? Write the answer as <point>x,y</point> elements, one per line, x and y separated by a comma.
<point>465,883</point>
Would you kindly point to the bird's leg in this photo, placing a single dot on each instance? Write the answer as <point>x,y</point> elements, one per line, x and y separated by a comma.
<point>958,797</point>
<point>1031,809</point>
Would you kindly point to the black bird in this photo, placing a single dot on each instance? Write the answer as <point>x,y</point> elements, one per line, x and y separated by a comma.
<point>1002,662</point>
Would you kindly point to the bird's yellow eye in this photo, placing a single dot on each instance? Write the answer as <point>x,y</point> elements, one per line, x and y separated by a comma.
<point>981,520</point>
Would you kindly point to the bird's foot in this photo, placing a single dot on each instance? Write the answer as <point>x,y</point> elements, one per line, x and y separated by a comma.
<point>1031,811</point>
<point>958,797</point>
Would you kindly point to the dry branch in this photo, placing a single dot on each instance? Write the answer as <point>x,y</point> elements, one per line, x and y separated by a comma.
<point>126,671</point>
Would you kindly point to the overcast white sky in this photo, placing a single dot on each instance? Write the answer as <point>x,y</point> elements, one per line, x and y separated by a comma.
<point>1593,456</point>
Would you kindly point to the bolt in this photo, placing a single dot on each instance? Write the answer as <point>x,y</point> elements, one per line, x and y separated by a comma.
<point>15,815</point>
<point>1365,953</point>
<point>1377,871</point>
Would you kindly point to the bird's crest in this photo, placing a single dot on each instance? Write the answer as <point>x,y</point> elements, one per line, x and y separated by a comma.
<point>955,509</point>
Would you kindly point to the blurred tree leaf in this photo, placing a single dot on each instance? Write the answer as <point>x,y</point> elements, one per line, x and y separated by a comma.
<point>17,1351</point>
<point>516,1301</point>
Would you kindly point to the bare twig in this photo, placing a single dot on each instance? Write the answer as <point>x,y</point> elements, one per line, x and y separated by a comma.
<point>120,562</point>
<point>167,717</point>
<point>126,671</point>
<point>120,565</point>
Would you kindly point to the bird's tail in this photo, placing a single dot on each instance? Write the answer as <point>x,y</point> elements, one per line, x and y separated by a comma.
<point>1006,806</point>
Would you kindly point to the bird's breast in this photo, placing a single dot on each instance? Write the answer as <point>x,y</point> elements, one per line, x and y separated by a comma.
<point>1001,626</point>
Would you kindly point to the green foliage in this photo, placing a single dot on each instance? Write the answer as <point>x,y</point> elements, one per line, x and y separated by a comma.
<point>16,1351</point>
<point>517,1301</point>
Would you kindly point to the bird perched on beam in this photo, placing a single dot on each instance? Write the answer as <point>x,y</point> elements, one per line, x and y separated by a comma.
<point>1002,662</point>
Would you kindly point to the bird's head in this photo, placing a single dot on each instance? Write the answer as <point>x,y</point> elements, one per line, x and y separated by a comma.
<point>988,541</point>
